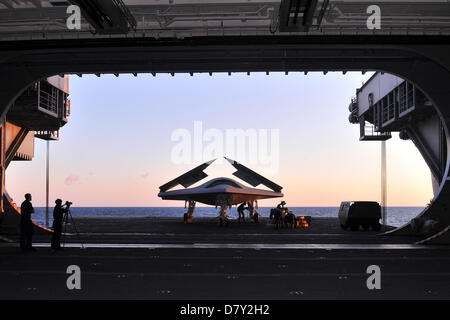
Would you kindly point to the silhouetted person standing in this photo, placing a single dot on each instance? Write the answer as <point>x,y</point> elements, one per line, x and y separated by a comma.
<point>240,210</point>
<point>281,205</point>
<point>26,225</point>
<point>58,215</point>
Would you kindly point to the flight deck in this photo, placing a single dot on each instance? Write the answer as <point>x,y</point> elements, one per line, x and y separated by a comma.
<point>162,258</point>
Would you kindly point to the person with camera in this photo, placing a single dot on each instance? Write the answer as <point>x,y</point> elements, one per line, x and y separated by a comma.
<point>58,216</point>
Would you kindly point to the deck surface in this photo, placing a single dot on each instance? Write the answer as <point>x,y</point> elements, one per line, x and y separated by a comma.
<point>161,258</point>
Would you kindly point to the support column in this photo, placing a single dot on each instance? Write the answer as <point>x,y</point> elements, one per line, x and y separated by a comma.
<point>47,173</point>
<point>383,183</point>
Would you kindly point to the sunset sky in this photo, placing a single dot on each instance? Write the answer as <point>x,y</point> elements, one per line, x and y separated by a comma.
<point>118,147</point>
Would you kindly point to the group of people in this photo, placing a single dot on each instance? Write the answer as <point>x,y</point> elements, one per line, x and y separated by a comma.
<point>26,224</point>
<point>281,216</point>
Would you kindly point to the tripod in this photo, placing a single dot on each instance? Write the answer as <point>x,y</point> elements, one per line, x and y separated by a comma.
<point>65,221</point>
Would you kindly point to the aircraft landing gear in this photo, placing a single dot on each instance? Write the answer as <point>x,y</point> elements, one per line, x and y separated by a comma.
<point>190,213</point>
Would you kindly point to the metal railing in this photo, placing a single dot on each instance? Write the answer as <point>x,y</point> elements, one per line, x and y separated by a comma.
<point>49,100</point>
<point>401,93</point>
<point>47,134</point>
<point>394,105</point>
<point>53,100</point>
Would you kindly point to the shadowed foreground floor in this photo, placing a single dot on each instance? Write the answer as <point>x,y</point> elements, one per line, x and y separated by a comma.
<point>193,272</point>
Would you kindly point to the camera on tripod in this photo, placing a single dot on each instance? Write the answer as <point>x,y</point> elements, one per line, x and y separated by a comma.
<point>68,219</point>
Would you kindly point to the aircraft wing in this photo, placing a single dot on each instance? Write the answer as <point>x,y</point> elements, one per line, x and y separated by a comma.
<point>253,178</point>
<point>189,178</point>
<point>209,192</point>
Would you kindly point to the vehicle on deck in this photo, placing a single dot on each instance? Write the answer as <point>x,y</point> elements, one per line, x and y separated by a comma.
<point>353,214</point>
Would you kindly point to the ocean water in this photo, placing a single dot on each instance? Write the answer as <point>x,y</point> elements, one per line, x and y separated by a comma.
<point>397,216</point>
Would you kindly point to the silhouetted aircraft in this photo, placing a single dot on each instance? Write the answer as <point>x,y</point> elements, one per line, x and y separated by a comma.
<point>223,192</point>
